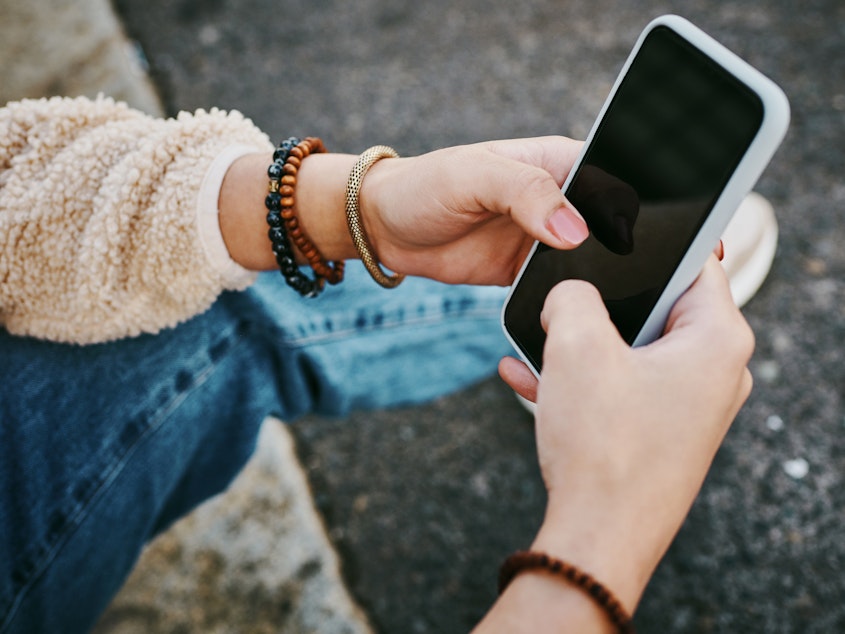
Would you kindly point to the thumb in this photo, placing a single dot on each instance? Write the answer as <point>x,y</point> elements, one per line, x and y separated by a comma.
<point>540,208</point>
<point>532,198</point>
<point>577,323</point>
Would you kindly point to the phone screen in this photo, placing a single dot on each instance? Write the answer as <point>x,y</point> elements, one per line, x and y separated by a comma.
<point>668,143</point>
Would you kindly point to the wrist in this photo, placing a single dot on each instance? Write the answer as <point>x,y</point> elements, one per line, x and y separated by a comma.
<point>536,602</point>
<point>241,213</point>
<point>320,203</point>
<point>601,545</point>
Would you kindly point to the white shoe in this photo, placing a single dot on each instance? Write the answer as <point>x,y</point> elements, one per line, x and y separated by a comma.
<point>750,241</point>
<point>531,406</point>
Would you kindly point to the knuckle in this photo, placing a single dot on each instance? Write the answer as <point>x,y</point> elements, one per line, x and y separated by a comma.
<point>749,340</point>
<point>735,350</point>
<point>742,341</point>
<point>747,385</point>
<point>533,181</point>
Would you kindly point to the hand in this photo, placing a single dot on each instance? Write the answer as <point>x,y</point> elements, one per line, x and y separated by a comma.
<point>470,214</point>
<point>626,436</point>
<point>463,214</point>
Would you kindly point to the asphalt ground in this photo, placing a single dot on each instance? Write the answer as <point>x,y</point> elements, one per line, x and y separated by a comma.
<point>423,503</point>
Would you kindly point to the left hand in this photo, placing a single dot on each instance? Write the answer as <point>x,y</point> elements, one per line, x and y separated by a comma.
<point>470,214</point>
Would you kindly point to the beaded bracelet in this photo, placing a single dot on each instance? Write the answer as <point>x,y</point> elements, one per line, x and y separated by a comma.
<point>284,226</point>
<point>527,560</point>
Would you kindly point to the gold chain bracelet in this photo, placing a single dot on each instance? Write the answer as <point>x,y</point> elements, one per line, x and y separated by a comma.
<point>353,214</point>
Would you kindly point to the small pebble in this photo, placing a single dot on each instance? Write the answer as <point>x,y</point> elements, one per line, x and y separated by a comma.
<point>480,484</point>
<point>797,468</point>
<point>768,371</point>
<point>209,35</point>
<point>407,433</point>
<point>815,266</point>
<point>360,503</point>
<point>781,342</point>
<point>774,422</point>
<point>823,293</point>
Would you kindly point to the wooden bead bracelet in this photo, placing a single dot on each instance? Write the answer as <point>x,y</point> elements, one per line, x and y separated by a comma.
<point>522,561</point>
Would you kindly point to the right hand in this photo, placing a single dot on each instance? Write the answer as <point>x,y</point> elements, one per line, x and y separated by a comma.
<point>626,435</point>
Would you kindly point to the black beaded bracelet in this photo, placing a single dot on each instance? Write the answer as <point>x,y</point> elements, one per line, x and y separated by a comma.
<point>296,279</point>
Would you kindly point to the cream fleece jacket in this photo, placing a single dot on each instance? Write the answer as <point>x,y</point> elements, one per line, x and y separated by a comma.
<point>108,217</point>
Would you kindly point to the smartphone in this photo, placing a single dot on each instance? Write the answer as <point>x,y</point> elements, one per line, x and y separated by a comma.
<point>685,133</point>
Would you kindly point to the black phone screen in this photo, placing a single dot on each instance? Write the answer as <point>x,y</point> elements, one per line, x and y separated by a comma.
<point>669,141</point>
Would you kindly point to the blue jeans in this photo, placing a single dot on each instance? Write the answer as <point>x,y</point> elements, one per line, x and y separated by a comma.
<point>103,446</point>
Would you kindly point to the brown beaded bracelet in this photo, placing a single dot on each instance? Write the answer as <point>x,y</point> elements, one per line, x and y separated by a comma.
<point>526,560</point>
<point>333,273</point>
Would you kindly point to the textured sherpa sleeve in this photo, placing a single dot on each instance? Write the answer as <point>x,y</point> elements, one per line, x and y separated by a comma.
<point>108,217</point>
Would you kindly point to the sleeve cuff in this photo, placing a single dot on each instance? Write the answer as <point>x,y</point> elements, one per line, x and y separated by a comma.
<point>208,222</point>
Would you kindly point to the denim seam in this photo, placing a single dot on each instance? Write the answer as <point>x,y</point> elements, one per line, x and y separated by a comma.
<point>478,314</point>
<point>77,518</point>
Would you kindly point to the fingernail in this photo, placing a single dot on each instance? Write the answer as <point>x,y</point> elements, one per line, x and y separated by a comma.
<point>568,225</point>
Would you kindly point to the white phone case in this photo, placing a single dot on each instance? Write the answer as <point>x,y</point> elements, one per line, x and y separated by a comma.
<point>769,136</point>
